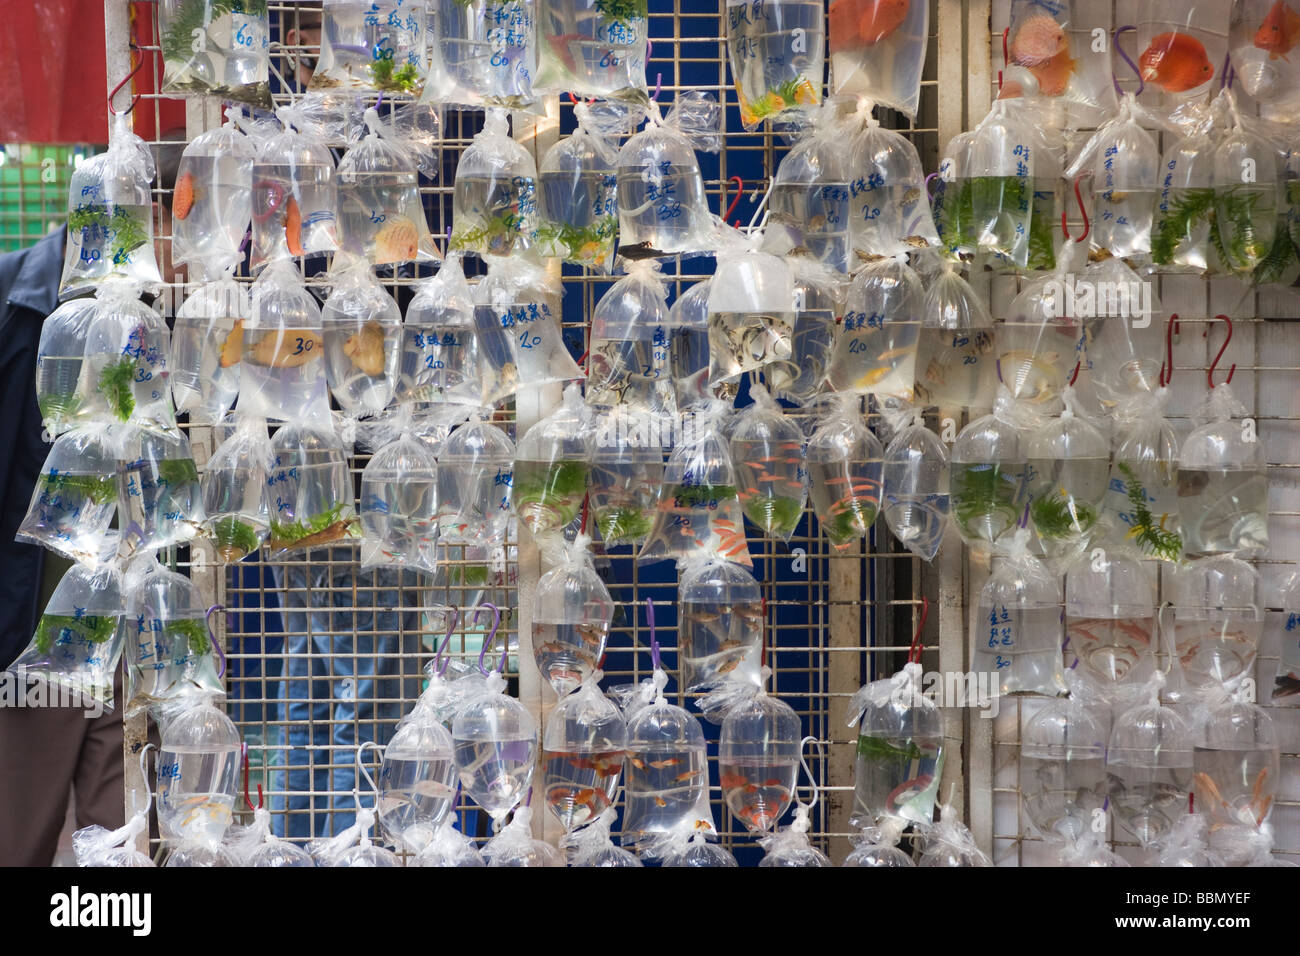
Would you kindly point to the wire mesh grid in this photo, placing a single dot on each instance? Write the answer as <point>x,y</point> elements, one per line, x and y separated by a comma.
<point>324,656</point>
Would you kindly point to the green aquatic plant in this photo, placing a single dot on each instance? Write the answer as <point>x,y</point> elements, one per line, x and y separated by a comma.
<point>115,384</point>
<point>59,408</point>
<point>193,631</point>
<point>980,491</point>
<point>52,629</point>
<point>177,471</point>
<point>552,498</point>
<point>234,538</point>
<point>850,520</point>
<point>622,11</point>
<point>623,525</point>
<point>195,15</point>
<point>1059,516</point>
<point>1042,232</point>
<point>1176,223</point>
<point>1150,535</point>
<point>776,514</point>
<point>701,496</point>
<point>384,76</point>
<point>321,528</point>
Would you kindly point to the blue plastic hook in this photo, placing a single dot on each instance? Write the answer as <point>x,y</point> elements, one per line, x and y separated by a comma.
<point>654,642</point>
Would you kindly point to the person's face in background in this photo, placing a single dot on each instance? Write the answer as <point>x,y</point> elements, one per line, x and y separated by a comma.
<point>302,29</point>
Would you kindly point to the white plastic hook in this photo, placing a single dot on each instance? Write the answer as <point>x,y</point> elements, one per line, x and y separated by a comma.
<point>800,807</point>
<point>356,789</point>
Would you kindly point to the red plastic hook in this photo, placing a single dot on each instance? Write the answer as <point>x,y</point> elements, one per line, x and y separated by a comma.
<point>1167,366</point>
<point>243,747</point>
<point>1075,376</point>
<point>740,191</point>
<point>1083,211</point>
<point>914,655</point>
<point>1209,374</point>
<point>1005,59</point>
<point>125,80</point>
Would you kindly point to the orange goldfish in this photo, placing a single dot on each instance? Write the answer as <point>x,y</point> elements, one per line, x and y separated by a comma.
<point>183,196</point>
<point>1176,62</point>
<point>293,227</point>
<point>855,23</point>
<point>233,347</point>
<point>366,349</point>
<point>1054,75</point>
<point>1279,31</point>
<point>1039,39</point>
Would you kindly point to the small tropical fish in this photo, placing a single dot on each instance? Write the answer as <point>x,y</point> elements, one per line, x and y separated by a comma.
<point>1039,39</point>
<point>398,240</point>
<point>1054,75</point>
<point>1279,31</point>
<point>183,196</point>
<point>288,348</point>
<point>293,227</point>
<point>660,801</point>
<point>661,764</point>
<point>866,22</point>
<point>233,348</point>
<point>366,348</point>
<point>1176,62</point>
<point>732,780</point>
<point>687,775</point>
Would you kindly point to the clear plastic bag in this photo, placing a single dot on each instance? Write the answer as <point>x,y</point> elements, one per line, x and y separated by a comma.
<point>1218,621</point>
<point>311,491</point>
<point>399,507</point>
<point>96,846</point>
<point>1017,627</point>
<point>440,359</point>
<point>1181,51</point>
<point>110,215</point>
<point>236,496</point>
<point>1235,767</point>
<point>1126,180</point>
<point>572,614</point>
<point>1053,42</point>
<point>372,45</point>
<point>1248,194</point>
<point>699,505</point>
<point>1063,782</point>
<point>900,751</point>
<point>381,216</point>
<point>168,647</point>
<point>628,346</point>
<point>627,470</point>
<point>1143,490</point>
<point>417,780</point>
<point>988,483</point>
<point>282,372</point>
<point>124,369</point>
<point>688,347</point>
<point>592,845</point>
<point>916,499</point>
<point>212,204</point>
<point>1149,765</point>
<point>949,843</point>
<point>475,478</point>
<point>1261,35</point>
<point>758,752</point>
<point>778,54</point>
<point>767,448</point>
<point>751,313</point>
<point>845,464</point>
<point>1067,472</point>
<point>449,848</point>
<point>579,190</point>
<point>1185,201</point>
<point>58,363</point>
<point>482,53</point>
<point>335,116</point>
<point>75,497</point>
<point>661,204</point>
<point>78,639</point>
<point>818,302</point>
<point>496,746</point>
<point>1110,619</point>
<point>198,764</point>
<point>1000,166</point>
<point>693,850</point>
<point>207,348</point>
<point>1090,850</point>
<point>494,200</point>
<point>551,466</point>
<point>210,48</point>
<point>719,623</point>
<point>876,350</point>
<point>159,500</point>
<point>791,846</point>
<point>878,846</point>
<point>956,345</point>
<point>362,330</point>
<point>1223,483</point>
<point>593,47</point>
<point>953,199</point>
<point>514,844</point>
<point>352,847</point>
<point>1123,352</point>
<point>582,755</point>
<point>808,208</point>
<point>878,50</point>
<point>295,196</point>
<point>1186,844</point>
<point>889,208</point>
<point>256,846</point>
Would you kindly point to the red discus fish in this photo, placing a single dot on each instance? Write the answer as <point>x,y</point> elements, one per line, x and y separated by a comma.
<point>1279,31</point>
<point>1038,39</point>
<point>855,23</point>
<point>1176,62</point>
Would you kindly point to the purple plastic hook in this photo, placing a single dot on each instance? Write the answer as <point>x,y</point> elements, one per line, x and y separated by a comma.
<point>1142,84</point>
<point>654,642</point>
<point>440,659</point>
<point>659,77</point>
<point>491,638</point>
<point>928,191</point>
<point>212,638</point>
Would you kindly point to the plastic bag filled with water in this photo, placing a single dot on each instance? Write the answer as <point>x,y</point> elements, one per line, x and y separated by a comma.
<point>1143,489</point>
<point>197,768</point>
<point>1000,167</point>
<point>399,506</point>
<point>1126,180</point>
<point>110,215</point>
<point>1179,52</point>
<point>449,848</point>
<point>475,480</point>
<point>1122,353</point>
<point>1016,626</point>
<point>362,330</point>
<point>1063,768</point>
<point>381,217</point>
<point>159,500</point>
<point>352,847</point>
<point>417,780</point>
<point>593,846</point>
<point>661,204</point>
<point>878,50</point>
<point>582,755</point>
<point>627,469</point>
<point>482,53</point>
<point>844,463</point>
<point>514,844</point>
<point>878,846</point>
<point>694,850</point>
<point>78,639</point>
<point>791,846</point>
<point>758,753</point>
<point>124,369</point>
<point>369,45</point>
<point>1187,844</point>
<point>1261,35</point>
<point>751,312</point>
<point>579,189</point>
<point>1218,621</point>
<point>889,209</point>
<point>988,485</point>
<point>58,363</point>
<point>207,350</point>
<point>628,357</point>
<point>876,350</point>
<point>167,645</point>
<point>1053,43</point>
<point>236,496</point>
<point>956,350</point>
<point>953,200</point>
<point>593,48</point>
<point>699,501</point>
<point>916,497</point>
<point>1223,482</point>
<point>1235,765</point>
<point>572,613</point>
<point>440,352</point>
<point>1149,767</point>
<point>900,750</point>
<point>818,302</point>
<point>767,448</point>
<point>311,490</point>
<point>255,845</point>
<point>496,748</point>
<point>295,196</point>
<point>216,49</point>
<point>1247,194</point>
<point>95,846</point>
<point>75,497</point>
<point>688,347</point>
<point>282,369</point>
<point>719,623</point>
<point>949,843</point>
<point>1110,620</point>
<point>1185,201</point>
<point>494,200</point>
<point>212,204</point>
<point>551,466</point>
<point>778,53</point>
<point>1068,469</point>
